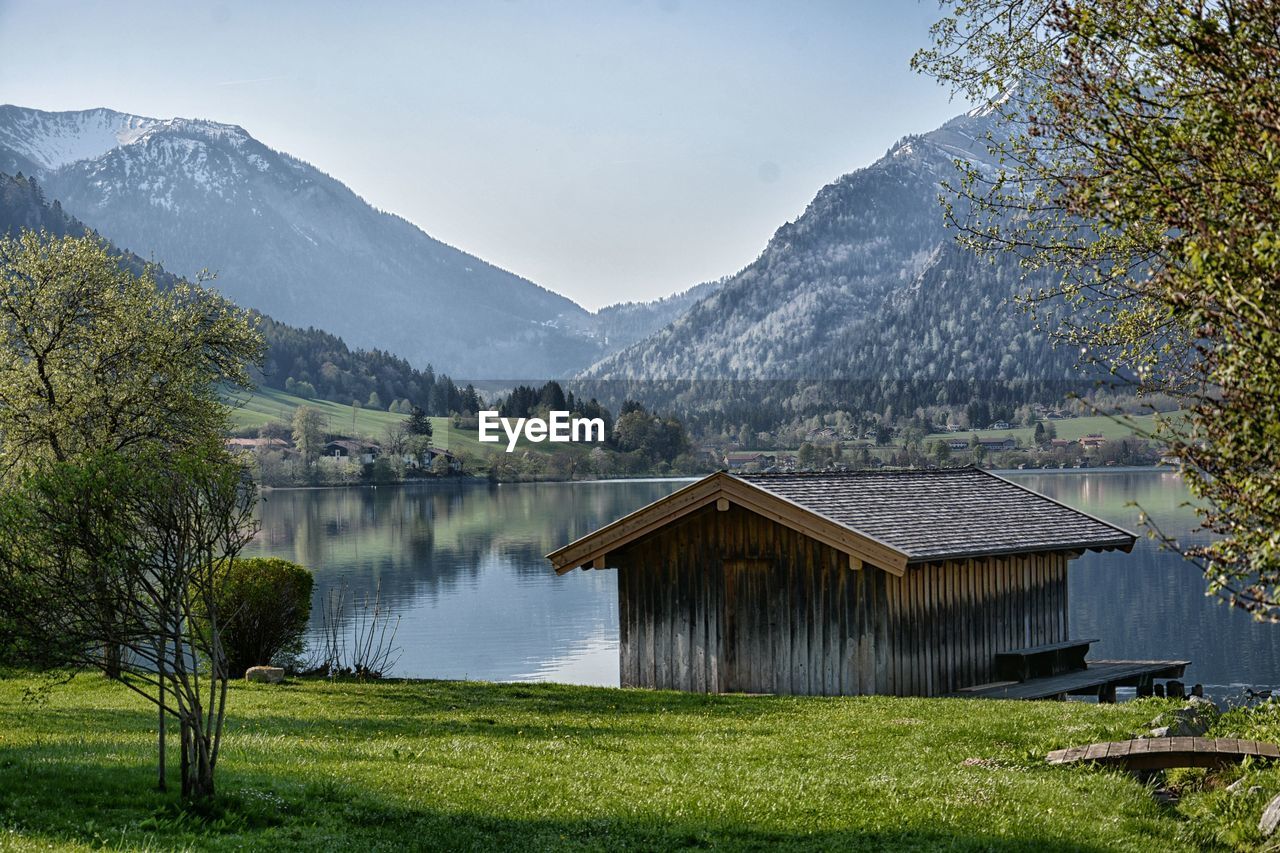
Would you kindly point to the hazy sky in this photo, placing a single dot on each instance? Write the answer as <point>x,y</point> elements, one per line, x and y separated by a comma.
<point>606,150</point>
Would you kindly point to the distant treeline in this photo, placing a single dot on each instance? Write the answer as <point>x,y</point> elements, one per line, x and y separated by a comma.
<point>525,401</point>
<point>648,437</point>
<point>314,363</point>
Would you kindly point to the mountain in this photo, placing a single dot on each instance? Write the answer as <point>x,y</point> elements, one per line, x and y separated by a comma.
<point>289,240</point>
<point>624,323</point>
<point>867,285</point>
<point>315,358</point>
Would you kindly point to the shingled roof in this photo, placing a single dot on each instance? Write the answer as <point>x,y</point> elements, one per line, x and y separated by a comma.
<point>889,519</point>
<point>944,514</point>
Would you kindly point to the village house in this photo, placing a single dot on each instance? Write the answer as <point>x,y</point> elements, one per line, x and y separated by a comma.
<point>1001,425</point>
<point>1093,441</point>
<point>743,458</point>
<point>907,583</point>
<point>250,445</point>
<point>997,444</point>
<point>363,452</point>
<point>430,455</point>
<point>707,455</point>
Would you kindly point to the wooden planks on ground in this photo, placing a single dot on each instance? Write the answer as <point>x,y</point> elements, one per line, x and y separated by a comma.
<point>1163,753</point>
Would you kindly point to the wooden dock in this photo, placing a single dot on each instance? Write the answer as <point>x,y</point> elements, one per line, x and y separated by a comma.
<point>1099,678</point>
<point>1162,753</point>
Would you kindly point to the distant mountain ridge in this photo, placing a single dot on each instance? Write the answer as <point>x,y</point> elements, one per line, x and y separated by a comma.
<point>867,284</point>
<point>289,240</point>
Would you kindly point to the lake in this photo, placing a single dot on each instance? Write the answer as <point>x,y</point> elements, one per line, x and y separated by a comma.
<point>462,566</point>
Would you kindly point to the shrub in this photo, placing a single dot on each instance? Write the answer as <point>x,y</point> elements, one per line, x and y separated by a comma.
<point>265,603</point>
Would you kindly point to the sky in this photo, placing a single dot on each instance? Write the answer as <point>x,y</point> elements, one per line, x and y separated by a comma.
<point>610,151</point>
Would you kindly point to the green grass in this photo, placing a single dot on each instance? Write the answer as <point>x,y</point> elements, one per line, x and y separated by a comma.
<point>1217,817</point>
<point>254,409</point>
<point>314,765</point>
<point>1070,429</point>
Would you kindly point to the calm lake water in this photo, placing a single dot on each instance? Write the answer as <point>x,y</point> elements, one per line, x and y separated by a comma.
<point>462,565</point>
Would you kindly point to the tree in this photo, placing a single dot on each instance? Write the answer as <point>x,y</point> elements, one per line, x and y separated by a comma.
<point>1139,147</point>
<point>276,429</point>
<point>130,550</point>
<point>395,441</point>
<point>264,604</point>
<point>308,432</point>
<point>633,430</point>
<point>419,423</point>
<point>807,456</point>
<point>95,358</point>
<point>1039,435</point>
<point>942,451</point>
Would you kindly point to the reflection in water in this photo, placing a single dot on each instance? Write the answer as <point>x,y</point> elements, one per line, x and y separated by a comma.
<point>463,565</point>
<point>1151,603</point>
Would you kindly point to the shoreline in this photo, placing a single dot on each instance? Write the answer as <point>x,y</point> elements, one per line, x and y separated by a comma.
<point>689,478</point>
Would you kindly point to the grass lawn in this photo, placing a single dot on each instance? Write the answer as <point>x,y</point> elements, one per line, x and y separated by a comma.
<point>256,408</point>
<point>479,766</point>
<point>1071,429</point>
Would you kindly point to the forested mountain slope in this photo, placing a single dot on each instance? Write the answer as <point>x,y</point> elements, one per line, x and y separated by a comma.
<point>321,360</point>
<point>867,284</point>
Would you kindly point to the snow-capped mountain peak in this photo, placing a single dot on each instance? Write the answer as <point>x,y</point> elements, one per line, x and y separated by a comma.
<point>291,241</point>
<point>52,140</point>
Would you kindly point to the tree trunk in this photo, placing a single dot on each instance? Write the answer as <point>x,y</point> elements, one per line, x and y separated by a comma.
<point>161,781</point>
<point>111,661</point>
<point>202,785</point>
<point>185,766</point>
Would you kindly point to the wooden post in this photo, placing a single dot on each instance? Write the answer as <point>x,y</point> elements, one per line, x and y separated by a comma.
<point>1159,688</point>
<point>1107,694</point>
<point>1176,690</point>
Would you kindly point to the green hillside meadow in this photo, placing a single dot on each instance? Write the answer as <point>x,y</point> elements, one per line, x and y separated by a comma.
<point>1071,429</point>
<point>254,409</point>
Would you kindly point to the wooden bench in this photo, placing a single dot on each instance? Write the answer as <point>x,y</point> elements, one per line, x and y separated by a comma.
<point>1042,661</point>
<point>1161,753</point>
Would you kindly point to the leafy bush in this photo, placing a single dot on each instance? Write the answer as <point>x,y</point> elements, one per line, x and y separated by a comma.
<point>265,603</point>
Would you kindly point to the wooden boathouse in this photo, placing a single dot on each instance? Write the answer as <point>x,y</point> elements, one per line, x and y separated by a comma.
<point>907,583</point>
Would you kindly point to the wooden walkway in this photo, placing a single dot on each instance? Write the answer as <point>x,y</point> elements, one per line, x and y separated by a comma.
<point>1100,678</point>
<point>1161,753</point>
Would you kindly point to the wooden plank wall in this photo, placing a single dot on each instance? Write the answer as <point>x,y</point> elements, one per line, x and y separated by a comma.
<point>730,601</point>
